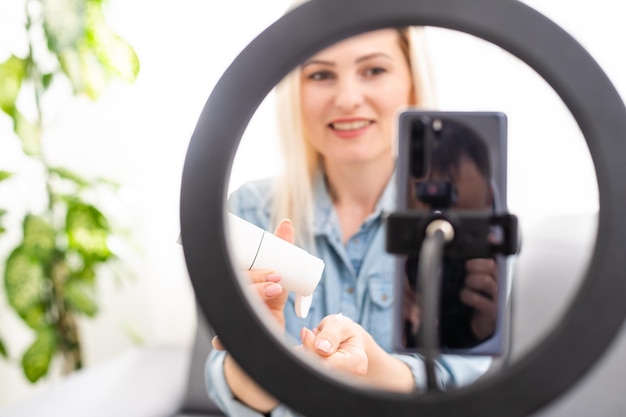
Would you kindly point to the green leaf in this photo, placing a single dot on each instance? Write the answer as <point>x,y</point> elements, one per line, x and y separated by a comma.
<point>3,350</point>
<point>97,56</point>
<point>80,298</point>
<point>87,230</point>
<point>29,133</point>
<point>12,72</point>
<point>39,237</point>
<point>2,213</point>
<point>5,175</point>
<point>24,283</point>
<point>107,182</point>
<point>117,57</point>
<point>87,273</point>
<point>66,174</point>
<point>36,360</point>
<point>46,80</point>
<point>64,23</point>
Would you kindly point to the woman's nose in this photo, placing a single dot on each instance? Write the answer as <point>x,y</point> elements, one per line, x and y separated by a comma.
<point>349,94</point>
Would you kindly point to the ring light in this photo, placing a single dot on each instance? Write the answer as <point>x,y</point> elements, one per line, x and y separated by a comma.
<point>543,373</point>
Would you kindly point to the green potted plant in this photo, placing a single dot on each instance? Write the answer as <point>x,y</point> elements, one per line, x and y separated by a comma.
<point>50,275</point>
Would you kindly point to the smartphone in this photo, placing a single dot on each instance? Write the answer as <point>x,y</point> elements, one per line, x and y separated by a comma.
<point>453,165</point>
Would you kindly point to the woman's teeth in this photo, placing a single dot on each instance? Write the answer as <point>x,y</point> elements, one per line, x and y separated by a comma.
<point>350,125</point>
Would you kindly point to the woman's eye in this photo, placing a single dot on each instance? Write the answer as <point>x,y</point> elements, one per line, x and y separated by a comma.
<point>320,76</point>
<point>375,71</point>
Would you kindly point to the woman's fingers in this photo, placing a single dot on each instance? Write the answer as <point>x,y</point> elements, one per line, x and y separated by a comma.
<point>340,339</point>
<point>481,265</point>
<point>478,302</point>
<point>331,331</point>
<point>308,338</point>
<point>483,284</point>
<point>285,230</point>
<point>338,343</point>
<point>265,283</point>
<point>482,277</point>
<point>481,294</point>
<point>258,276</point>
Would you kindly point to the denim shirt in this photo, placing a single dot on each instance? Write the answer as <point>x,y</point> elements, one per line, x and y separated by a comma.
<point>358,281</point>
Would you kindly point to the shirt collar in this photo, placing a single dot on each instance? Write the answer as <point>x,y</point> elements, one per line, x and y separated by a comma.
<point>324,209</point>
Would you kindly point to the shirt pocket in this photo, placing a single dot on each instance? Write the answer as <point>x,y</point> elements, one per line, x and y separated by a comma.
<point>380,312</point>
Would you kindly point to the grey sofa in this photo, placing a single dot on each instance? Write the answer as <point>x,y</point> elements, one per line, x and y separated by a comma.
<point>166,382</point>
<point>143,382</point>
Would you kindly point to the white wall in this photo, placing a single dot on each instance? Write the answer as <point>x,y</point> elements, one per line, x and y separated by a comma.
<point>139,134</point>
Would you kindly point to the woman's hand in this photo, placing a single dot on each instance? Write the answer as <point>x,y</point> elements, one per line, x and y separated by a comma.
<point>340,344</point>
<point>481,293</point>
<point>266,284</point>
<point>344,345</point>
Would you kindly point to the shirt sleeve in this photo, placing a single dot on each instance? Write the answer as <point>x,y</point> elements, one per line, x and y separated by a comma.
<point>464,370</point>
<point>451,370</point>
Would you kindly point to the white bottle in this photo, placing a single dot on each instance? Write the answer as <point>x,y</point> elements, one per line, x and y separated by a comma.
<point>255,248</point>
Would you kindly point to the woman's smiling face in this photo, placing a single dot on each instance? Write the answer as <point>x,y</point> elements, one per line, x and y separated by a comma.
<point>351,93</point>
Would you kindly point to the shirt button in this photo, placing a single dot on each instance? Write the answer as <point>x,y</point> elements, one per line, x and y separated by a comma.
<point>385,297</point>
<point>350,290</point>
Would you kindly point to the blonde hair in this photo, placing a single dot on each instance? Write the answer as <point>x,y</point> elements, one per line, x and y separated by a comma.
<point>293,194</point>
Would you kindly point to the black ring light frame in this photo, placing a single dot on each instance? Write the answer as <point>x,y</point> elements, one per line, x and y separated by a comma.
<point>597,311</point>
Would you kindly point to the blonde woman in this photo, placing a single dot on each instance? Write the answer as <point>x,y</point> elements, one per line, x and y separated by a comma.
<point>337,113</point>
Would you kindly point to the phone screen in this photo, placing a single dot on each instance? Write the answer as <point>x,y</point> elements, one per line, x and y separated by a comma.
<point>454,162</point>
